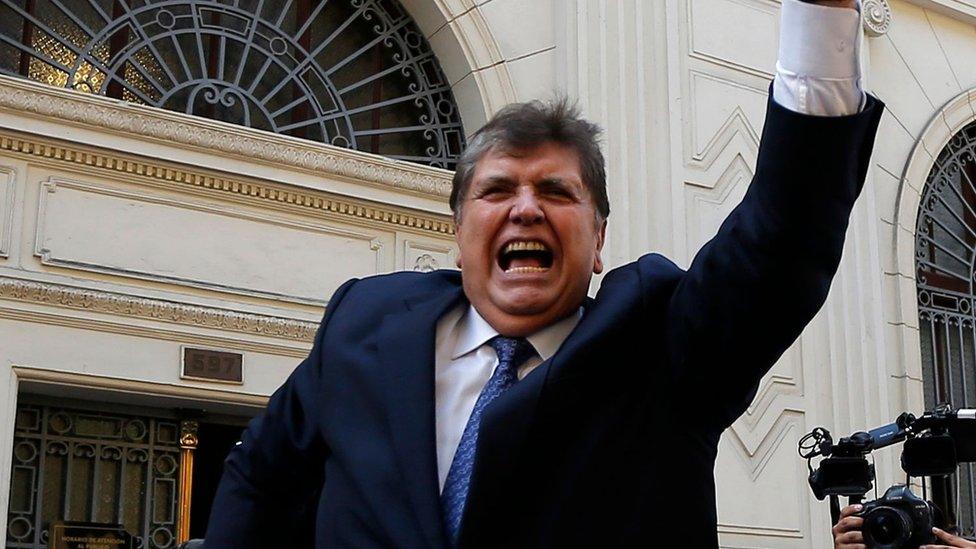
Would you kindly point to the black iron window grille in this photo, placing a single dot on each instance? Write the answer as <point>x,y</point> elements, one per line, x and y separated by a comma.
<point>945,243</point>
<point>353,73</point>
<point>92,467</point>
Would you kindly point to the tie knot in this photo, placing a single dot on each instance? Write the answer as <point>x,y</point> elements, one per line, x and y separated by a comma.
<point>511,351</point>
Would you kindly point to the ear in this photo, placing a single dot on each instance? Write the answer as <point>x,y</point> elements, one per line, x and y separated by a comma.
<point>457,240</point>
<point>600,239</point>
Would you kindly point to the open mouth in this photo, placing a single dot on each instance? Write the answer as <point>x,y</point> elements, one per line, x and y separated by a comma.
<point>525,256</point>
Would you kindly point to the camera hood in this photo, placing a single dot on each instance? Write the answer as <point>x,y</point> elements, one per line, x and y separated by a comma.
<point>929,455</point>
<point>842,476</point>
<point>963,433</point>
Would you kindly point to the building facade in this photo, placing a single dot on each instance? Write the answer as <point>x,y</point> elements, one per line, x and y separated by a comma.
<point>184,184</point>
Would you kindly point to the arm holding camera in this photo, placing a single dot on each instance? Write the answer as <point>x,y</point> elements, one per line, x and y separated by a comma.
<point>847,533</point>
<point>949,541</point>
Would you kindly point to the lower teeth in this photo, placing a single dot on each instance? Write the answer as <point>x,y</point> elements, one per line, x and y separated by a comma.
<point>525,270</point>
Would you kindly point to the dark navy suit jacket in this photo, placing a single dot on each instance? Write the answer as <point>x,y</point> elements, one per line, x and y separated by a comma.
<point>612,441</point>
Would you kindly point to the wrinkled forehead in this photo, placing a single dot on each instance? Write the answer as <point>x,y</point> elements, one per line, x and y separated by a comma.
<point>548,156</point>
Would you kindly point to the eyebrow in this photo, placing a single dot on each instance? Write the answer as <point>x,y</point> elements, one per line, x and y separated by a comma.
<point>549,181</point>
<point>561,184</point>
<point>498,180</point>
<point>507,179</point>
<point>545,183</point>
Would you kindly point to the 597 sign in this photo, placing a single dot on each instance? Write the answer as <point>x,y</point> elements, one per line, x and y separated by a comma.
<point>212,365</point>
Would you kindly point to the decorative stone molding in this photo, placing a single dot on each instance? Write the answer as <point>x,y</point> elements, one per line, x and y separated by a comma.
<point>426,263</point>
<point>155,309</point>
<point>178,256</point>
<point>876,17</point>
<point>7,180</point>
<point>304,199</point>
<point>954,115</point>
<point>74,108</point>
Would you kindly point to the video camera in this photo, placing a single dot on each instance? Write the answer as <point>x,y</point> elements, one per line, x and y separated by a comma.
<point>935,444</point>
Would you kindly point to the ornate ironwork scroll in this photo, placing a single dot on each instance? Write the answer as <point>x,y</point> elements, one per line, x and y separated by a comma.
<point>93,467</point>
<point>352,73</point>
<point>945,251</point>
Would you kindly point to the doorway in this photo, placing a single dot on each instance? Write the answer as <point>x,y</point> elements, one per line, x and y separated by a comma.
<point>216,440</point>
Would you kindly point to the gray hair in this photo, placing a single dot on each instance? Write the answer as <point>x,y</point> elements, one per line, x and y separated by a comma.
<point>528,125</point>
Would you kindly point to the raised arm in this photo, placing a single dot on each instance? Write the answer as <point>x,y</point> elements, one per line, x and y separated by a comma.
<point>274,471</point>
<point>750,290</point>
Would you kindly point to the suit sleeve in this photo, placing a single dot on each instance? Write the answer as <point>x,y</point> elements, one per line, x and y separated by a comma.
<point>277,467</point>
<point>750,291</point>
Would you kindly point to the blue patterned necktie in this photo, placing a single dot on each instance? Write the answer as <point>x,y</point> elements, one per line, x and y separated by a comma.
<point>512,352</point>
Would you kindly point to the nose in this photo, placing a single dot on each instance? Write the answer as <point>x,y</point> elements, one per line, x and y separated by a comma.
<point>526,209</point>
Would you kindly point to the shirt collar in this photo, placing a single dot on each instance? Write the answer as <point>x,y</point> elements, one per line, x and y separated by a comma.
<point>473,331</point>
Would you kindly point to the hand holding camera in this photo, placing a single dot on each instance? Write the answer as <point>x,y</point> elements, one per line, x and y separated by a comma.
<point>948,540</point>
<point>847,531</point>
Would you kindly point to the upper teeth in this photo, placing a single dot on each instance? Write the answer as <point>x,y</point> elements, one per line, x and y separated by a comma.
<point>525,245</point>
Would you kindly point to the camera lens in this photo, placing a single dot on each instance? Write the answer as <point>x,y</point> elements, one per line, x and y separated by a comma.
<point>886,527</point>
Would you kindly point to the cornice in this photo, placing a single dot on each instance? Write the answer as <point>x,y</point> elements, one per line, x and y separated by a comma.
<point>22,97</point>
<point>140,387</point>
<point>960,10</point>
<point>98,159</point>
<point>155,309</point>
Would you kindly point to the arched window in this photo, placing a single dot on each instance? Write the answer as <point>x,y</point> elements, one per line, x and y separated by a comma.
<point>944,253</point>
<point>353,73</point>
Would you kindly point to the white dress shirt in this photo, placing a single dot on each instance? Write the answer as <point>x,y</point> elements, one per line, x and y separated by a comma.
<point>463,364</point>
<point>818,73</point>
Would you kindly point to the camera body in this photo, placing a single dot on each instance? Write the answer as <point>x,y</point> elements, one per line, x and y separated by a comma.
<point>898,519</point>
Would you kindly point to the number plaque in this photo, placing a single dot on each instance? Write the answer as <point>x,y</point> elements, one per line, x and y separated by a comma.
<point>90,535</point>
<point>212,365</point>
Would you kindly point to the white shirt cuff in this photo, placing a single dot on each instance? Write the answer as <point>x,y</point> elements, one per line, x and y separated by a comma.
<point>819,70</point>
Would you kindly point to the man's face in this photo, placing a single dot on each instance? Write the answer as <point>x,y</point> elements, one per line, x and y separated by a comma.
<point>529,238</point>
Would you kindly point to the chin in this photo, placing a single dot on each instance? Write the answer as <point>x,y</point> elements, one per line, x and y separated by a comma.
<point>517,325</point>
<point>526,302</point>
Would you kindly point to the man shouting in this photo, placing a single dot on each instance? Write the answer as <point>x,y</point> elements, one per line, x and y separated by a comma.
<point>498,406</point>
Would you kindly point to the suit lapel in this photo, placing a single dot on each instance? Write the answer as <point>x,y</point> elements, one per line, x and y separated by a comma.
<point>506,422</point>
<point>406,350</point>
<point>585,351</point>
<point>504,426</point>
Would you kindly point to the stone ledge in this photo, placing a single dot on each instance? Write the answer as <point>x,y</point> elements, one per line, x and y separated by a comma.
<point>156,309</point>
<point>72,108</point>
